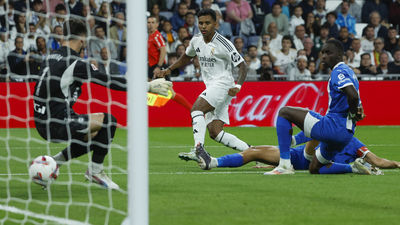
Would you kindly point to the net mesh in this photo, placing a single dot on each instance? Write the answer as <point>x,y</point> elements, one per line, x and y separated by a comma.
<point>70,199</point>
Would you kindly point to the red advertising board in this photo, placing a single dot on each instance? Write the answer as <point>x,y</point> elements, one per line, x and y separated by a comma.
<point>257,104</point>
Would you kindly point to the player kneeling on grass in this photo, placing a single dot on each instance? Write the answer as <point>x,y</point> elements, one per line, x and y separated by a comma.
<point>56,92</point>
<point>365,162</point>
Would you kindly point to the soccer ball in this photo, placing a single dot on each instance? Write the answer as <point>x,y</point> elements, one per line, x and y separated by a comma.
<point>43,170</point>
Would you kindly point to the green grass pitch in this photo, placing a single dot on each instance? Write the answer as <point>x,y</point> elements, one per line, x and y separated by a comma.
<point>181,193</point>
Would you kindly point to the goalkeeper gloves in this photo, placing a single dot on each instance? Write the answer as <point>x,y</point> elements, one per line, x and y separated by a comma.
<point>160,86</point>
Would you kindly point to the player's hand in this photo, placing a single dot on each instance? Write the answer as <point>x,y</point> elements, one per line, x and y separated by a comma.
<point>359,115</point>
<point>233,91</point>
<point>160,86</point>
<point>162,73</point>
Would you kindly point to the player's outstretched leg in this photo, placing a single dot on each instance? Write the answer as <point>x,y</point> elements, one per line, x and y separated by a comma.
<point>215,129</point>
<point>100,146</point>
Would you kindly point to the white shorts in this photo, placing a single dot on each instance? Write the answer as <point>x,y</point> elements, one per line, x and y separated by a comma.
<point>218,98</point>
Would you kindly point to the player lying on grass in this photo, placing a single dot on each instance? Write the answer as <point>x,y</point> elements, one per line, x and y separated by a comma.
<point>300,158</point>
<point>56,92</point>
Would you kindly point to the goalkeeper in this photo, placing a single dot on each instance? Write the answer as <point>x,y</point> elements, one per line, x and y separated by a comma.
<point>56,91</point>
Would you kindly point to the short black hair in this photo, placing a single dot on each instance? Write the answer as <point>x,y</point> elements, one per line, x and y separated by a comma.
<point>331,13</point>
<point>338,45</point>
<point>189,13</point>
<point>74,27</point>
<point>60,7</point>
<point>251,46</point>
<point>207,12</point>
<point>365,54</point>
<point>287,37</point>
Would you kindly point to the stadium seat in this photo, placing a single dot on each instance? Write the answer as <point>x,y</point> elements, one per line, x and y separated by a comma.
<point>253,40</point>
<point>332,4</point>
<point>359,28</point>
<point>166,14</point>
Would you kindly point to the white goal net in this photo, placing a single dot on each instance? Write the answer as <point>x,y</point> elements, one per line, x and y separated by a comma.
<point>31,33</point>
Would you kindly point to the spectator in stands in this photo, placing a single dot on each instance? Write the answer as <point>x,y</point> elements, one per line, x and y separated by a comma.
<point>99,42</point>
<point>155,11</point>
<point>42,27</point>
<point>155,48</point>
<point>208,4</point>
<point>20,27</point>
<point>266,71</point>
<point>75,7</point>
<point>238,11</point>
<point>331,23</point>
<point>394,12</point>
<point>105,65</point>
<point>278,18</point>
<point>190,24</point>
<point>300,34</point>
<point>296,19</point>
<point>118,31</point>
<point>193,7</point>
<point>379,44</point>
<point>161,3</point>
<point>90,23</point>
<point>365,66</point>
<point>350,59</point>
<point>311,53</point>
<point>5,48</point>
<point>286,7</point>
<point>3,11</point>
<point>320,12</point>
<point>394,67</point>
<point>186,41</point>
<point>300,72</point>
<point>18,60</point>
<point>374,5</point>
<point>239,45</point>
<point>354,10</point>
<point>86,11</point>
<point>307,6</point>
<point>259,8</point>
<point>172,58</point>
<point>10,15</point>
<point>57,38</point>
<point>263,46</point>
<point>344,19</point>
<point>285,56</point>
<point>345,38</point>
<point>169,35</point>
<point>320,40</point>
<point>276,38</point>
<point>103,16</point>
<point>312,26</point>
<point>178,19</point>
<point>357,51</point>
<point>31,39</point>
<point>391,41</point>
<point>312,67</point>
<point>182,34</point>
<point>59,18</point>
<point>375,22</point>
<point>254,63</point>
<point>367,42</point>
<point>33,14</point>
<point>50,6</point>
<point>122,59</point>
<point>119,6</point>
<point>41,48</point>
<point>383,65</point>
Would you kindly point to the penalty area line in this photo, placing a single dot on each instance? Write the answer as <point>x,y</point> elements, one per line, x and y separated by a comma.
<point>58,220</point>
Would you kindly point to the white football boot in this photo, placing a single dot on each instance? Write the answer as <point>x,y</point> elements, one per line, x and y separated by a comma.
<point>359,167</point>
<point>101,179</point>
<point>189,155</point>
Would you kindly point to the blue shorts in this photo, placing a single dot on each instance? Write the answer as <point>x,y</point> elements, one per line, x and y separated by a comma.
<point>330,130</point>
<point>297,158</point>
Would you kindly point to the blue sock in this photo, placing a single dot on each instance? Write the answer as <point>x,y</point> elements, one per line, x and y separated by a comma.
<point>336,168</point>
<point>283,127</point>
<point>233,160</point>
<point>301,138</point>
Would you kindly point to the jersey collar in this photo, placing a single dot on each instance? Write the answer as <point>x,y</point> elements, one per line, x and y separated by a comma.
<point>339,63</point>
<point>215,35</point>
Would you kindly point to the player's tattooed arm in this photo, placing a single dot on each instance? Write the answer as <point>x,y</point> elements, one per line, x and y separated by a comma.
<point>242,76</point>
<point>182,61</point>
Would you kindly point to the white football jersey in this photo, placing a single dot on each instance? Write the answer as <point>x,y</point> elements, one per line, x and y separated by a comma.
<point>215,58</point>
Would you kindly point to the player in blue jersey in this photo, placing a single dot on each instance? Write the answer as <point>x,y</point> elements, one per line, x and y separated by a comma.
<point>335,129</point>
<point>301,156</point>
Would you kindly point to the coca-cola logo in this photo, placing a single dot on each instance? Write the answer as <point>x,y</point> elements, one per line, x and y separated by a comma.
<point>254,109</point>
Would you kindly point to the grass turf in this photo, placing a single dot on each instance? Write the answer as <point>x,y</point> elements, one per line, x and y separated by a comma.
<point>181,193</point>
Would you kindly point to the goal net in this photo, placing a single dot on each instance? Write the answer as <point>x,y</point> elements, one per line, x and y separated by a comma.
<point>30,32</point>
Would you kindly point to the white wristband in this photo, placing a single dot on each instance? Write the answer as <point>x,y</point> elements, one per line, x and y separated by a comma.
<point>238,86</point>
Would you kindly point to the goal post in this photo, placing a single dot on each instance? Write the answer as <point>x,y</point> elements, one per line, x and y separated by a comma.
<point>138,177</point>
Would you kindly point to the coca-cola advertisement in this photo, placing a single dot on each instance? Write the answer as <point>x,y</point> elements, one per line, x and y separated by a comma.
<point>257,103</point>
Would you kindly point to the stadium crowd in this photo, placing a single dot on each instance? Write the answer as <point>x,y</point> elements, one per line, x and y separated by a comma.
<point>279,39</point>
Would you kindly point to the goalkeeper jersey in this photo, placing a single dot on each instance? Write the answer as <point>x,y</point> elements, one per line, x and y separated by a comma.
<point>59,85</point>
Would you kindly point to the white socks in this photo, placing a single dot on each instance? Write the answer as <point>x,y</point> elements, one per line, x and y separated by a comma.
<point>199,127</point>
<point>231,141</point>
<point>285,163</point>
<point>214,162</point>
<point>95,168</point>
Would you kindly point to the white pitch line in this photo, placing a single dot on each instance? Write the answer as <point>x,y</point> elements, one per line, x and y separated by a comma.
<point>58,220</point>
<point>190,173</point>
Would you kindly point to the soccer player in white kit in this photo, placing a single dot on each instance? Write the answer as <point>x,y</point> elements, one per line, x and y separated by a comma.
<point>216,55</point>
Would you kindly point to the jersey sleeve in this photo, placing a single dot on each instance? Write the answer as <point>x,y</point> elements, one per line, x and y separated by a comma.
<point>89,72</point>
<point>190,51</point>
<point>362,152</point>
<point>234,55</point>
<point>341,79</point>
<point>159,41</point>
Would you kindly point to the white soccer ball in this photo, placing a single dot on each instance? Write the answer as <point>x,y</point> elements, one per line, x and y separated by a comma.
<point>43,170</point>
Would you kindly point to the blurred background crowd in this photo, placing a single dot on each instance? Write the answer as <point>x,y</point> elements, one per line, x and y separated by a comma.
<point>279,39</point>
